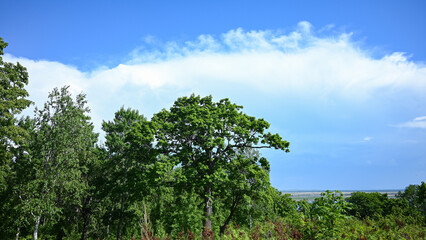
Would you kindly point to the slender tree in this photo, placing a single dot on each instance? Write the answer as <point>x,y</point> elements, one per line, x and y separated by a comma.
<point>59,152</point>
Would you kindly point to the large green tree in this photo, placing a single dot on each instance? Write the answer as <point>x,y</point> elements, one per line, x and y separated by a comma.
<point>206,138</point>
<point>13,78</point>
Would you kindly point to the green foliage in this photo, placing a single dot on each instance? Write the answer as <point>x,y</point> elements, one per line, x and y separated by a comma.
<point>129,145</point>
<point>388,227</point>
<point>52,165</point>
<point>13,78</point>
<point>368,204</point>
<point>206,138</point>
<point>284,205</point>
<point>416,197</point>
<point>327,210</point>
<point>304,207</point>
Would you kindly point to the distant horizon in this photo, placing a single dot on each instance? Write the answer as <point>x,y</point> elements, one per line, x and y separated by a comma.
<point>345,190</point>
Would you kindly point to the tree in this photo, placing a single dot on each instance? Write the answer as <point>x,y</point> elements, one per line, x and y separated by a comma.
<point>58,153</point>
<point>205,138</point>
<point>367,204</point>
<point>246,181</point>
<point>416,197</point>
<point>13,78</point>
<point>327,210</point>
<point>284,205</point>
<point>129,144</point>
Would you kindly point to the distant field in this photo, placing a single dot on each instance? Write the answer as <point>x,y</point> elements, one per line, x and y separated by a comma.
<point>311,195</point>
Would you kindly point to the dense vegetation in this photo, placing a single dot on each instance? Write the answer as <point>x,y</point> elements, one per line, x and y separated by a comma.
<point>193,171</point>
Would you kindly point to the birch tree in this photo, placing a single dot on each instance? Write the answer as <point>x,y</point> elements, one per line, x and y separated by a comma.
<point>58,153</point>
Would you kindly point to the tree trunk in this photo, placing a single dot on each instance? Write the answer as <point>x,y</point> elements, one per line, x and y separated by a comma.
<point>17,233</point>
<point>228,219</point>
<point>107,230</point>
<point>37,224</point>
<point>86,211</point>
<point>208,201</point>
<point>208,209</point>
<point>109,222</point>
<point>250,219</point>
<point>120,223</point>
<point>123,195</point>
<point>223,227</point>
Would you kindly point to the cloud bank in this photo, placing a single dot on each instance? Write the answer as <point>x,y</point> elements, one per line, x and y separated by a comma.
<point>299,66</point>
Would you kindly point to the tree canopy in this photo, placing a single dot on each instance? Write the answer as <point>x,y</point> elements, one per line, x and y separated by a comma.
<point>206,138</point>
<point>13,79</point>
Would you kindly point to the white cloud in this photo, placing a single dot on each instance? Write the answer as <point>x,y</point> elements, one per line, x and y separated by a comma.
<point>417,119</point>
<point>259,63</point>
<point>275,64</point>
<point>418,122</point>
<point>367,139</point>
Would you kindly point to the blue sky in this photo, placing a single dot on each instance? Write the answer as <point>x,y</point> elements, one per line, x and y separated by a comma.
<point>343,81</point>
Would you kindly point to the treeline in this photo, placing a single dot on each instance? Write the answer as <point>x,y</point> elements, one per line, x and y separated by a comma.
<point>192,171</point>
